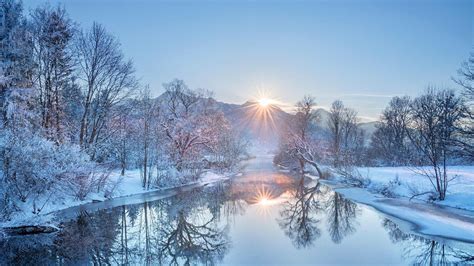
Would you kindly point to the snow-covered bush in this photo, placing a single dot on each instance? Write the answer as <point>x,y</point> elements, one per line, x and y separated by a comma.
<point>35,171</point>
<point>227,152</point>
<point>388,189</point>
<point>168,178</point>
<point>352,176</point>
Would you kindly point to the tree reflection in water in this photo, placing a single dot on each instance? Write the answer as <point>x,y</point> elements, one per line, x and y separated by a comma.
<point>186,242</point>
<point>179,230</point>
<point>298,219</point>
<point>423,251</point>
<point>341,216</point>
<point>298,216</point>
<point>184,229</point>
<point>192,228</point>
<point>88,238</point>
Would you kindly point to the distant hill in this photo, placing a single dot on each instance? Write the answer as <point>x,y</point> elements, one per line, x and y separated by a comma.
<point>263,124</point>
<point>369,127</point>
<point>323,117</point>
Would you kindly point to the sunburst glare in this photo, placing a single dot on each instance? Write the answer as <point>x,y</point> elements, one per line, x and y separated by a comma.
<point>263,197</point>
<point>264,102</point>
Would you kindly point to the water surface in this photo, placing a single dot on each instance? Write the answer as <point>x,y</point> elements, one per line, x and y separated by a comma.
<point>262,217</point>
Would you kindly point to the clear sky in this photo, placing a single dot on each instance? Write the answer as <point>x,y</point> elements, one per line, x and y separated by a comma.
<point>362,52</point>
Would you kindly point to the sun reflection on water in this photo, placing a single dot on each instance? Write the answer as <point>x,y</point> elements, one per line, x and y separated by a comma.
<point>263,196</point>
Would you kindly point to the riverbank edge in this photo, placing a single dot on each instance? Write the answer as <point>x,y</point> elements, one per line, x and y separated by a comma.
<point>46,222</point>
<point>420,217</point>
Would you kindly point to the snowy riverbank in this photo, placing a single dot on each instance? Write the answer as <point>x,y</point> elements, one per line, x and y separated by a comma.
<point>127,185</point>
<point>452,218</point>
<point>404,182</point>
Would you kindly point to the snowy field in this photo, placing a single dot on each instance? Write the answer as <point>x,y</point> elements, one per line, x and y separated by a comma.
<point>406,182</point>
<point>418,217</point>
<point>127,185</point>
<point>390,190</point>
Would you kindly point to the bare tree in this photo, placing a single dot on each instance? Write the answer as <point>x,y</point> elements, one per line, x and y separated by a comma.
<point>390,141</point>
<point>305,114</point>
<point>107,80</point>
<point>149,112</point>
<point>466,79</point>
<point>306,151</point>
<point>181,98</point>
<point>336,115</point>
<point>433,120</point>
<point>346,137</point>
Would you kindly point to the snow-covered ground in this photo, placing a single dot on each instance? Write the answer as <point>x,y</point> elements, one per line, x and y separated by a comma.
<point>452,218</point>
<point>417,217</point>
<point>130,183</point>
<point>127,185</point>
<point>406,182</point>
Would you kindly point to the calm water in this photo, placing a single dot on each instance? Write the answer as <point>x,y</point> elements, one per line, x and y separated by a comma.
<point>262,217</point>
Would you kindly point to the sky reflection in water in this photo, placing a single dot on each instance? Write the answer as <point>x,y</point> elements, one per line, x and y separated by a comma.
<point>259,218</point>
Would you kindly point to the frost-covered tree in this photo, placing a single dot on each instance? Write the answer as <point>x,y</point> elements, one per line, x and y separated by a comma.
<point>15,40</point>
<point>148,118</point>
<point>16,67</point>
<point>298,141</point>
<point>124,129</point>
<point>38,171</point>
<point>16,96</point>
<point>191,125</point>
<point>38,166</point>
<point>107,79</point>
<point>229,150</point>
<point>52,32</point>
<point>305,117</point>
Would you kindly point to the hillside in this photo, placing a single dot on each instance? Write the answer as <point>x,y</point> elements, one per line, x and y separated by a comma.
<point>251,120</point>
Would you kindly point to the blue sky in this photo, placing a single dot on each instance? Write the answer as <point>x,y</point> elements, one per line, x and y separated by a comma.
<point>362,52</point>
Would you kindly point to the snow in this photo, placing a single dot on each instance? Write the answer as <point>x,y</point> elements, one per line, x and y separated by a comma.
<point>452,218</point>
<point>460,190</point>
<point>127,185</point>
<point>422,218</point>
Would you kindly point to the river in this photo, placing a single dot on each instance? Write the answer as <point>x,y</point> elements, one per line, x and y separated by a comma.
<point>261,217</point>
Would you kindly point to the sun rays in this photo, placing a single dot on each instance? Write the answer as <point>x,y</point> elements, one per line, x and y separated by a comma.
<point>261,113</point>
<point>263,197</point>
<point>265,102</point>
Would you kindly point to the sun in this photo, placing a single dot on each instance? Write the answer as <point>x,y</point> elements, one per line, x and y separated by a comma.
<point>263,196</point>
<point>263,201</point>
<point>265,102</point>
